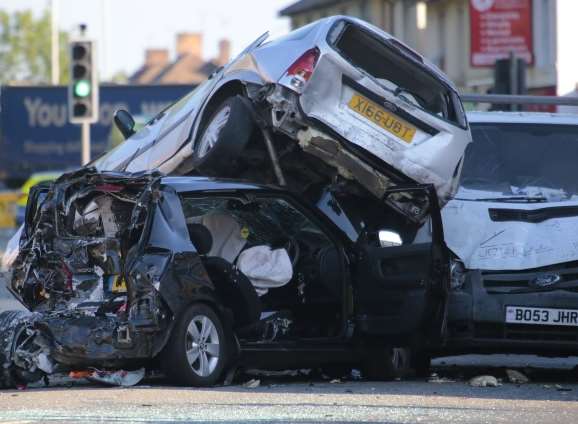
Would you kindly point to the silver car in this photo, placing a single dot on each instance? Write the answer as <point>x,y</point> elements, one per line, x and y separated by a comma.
<point>338,100</point>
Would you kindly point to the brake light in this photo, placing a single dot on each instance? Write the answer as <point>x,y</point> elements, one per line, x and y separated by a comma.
<point>304,66</point>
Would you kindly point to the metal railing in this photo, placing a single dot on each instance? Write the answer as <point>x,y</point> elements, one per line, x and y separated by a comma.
<point>515,99</point>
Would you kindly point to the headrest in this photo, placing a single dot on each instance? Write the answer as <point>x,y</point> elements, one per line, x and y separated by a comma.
<point>201,237</point>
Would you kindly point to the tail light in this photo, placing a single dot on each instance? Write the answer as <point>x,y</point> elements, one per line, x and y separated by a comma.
<point>303,67</point>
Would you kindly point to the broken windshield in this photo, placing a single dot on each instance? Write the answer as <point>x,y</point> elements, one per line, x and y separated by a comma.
<point>515,161</point>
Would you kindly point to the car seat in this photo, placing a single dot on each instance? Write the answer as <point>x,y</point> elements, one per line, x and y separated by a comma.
<point>231,285</point>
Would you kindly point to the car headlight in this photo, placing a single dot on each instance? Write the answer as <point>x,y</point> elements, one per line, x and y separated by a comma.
<point>457,274</point>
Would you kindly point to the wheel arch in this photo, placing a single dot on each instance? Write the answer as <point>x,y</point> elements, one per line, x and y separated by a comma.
<point>228,89</point>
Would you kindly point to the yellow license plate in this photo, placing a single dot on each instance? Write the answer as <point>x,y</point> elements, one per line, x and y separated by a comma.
<point>378,115</point>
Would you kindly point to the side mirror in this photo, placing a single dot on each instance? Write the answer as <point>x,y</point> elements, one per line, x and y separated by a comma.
<point>389,238</point>
<point>124,122</point>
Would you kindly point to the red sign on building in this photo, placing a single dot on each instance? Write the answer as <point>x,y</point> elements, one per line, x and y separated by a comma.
<point>498,28</point>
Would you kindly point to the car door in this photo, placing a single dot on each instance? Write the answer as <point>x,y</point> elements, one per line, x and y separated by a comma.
<point>401,289</point>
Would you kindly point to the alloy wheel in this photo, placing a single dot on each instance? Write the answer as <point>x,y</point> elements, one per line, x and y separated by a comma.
<point>202,345</point>
<point>212,131</point>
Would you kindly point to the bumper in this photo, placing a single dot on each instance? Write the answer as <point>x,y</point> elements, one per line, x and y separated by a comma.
<point>476,321</point>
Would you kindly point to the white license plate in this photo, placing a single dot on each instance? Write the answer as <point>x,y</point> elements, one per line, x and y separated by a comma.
<point>541,316</point>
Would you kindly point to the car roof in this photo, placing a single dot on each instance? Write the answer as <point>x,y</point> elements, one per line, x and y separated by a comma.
<point>522,118</point>
<point>199,184</point>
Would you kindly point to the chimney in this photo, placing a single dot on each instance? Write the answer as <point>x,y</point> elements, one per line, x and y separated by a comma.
<point>224,52</point>
<point>156,57</point>
<point>190,43</point>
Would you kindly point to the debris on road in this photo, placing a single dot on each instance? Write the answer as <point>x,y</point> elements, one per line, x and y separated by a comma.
<point>335,381</point>
<point>561,388</point>
<point>252,384</point>
<point>121,378</point>
<point>435,378</point>
<point>484,381</point>
<point>516,377</point>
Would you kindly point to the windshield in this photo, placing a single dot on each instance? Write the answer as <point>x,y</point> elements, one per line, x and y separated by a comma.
<point>517,162</point>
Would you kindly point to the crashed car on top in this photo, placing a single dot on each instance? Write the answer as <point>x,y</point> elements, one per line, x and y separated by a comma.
<point>336,98</point>
<point>202,275</point>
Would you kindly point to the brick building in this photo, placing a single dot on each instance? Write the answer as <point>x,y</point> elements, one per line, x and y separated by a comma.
<point>188,67</point>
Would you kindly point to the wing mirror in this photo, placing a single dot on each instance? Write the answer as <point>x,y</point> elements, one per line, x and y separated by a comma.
<point>124,122</point>
<point>389,238</point>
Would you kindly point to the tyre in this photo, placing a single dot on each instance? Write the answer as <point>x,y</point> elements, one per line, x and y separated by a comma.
<point>388,364</point>
<point>222,137</point>
<point>198,350</point>
<point>12,325</point>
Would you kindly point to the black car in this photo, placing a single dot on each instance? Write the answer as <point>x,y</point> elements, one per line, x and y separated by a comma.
<point>199,275</point>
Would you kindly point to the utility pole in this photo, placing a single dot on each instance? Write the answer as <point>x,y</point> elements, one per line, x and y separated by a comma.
<point>54,43</point>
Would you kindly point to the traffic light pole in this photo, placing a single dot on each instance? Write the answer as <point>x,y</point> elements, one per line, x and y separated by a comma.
<point>85,128</point>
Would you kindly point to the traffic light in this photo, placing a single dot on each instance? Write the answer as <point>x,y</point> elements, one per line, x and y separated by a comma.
<point>83,87</point>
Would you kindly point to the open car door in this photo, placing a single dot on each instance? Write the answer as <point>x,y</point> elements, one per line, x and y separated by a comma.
<point>402,286</point>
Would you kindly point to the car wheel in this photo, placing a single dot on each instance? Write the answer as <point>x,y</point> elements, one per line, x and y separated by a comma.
<point>388,364</point>
<point>197,352</point>
<point>222,138</point>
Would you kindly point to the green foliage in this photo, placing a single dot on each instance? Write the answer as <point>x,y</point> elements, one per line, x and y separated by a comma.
<point>25,48</point>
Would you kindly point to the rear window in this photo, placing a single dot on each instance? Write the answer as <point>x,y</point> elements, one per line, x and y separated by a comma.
<point>381,59</point>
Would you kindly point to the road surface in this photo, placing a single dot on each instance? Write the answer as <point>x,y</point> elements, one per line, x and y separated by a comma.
<point>395,402</point>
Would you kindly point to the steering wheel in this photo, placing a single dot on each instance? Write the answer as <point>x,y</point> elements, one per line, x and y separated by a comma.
<point>293,250</point>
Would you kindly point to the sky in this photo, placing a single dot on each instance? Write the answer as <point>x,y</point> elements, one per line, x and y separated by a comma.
<point>123,29</point>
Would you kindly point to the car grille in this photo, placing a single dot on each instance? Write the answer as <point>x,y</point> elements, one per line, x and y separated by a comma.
<point>515,280</point>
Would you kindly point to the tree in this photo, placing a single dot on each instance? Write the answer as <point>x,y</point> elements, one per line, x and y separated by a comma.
<point>25,51</point>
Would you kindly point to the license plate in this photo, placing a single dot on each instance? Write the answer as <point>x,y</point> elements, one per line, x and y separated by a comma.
<point>541,316</point>
<point>379,116</point>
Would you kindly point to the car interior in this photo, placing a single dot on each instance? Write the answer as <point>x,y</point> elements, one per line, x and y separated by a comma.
<point>278,265</point>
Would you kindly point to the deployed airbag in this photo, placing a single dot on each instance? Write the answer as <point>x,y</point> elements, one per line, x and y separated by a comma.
<point>266,268</point>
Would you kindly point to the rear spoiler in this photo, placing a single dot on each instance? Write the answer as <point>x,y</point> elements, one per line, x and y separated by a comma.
<point>515,99</point>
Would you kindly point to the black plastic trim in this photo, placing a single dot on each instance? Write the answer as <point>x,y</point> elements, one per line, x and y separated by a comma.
<point>532,216</point>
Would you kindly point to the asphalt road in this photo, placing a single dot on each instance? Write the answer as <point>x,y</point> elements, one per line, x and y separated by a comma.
<point>289,400</point>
